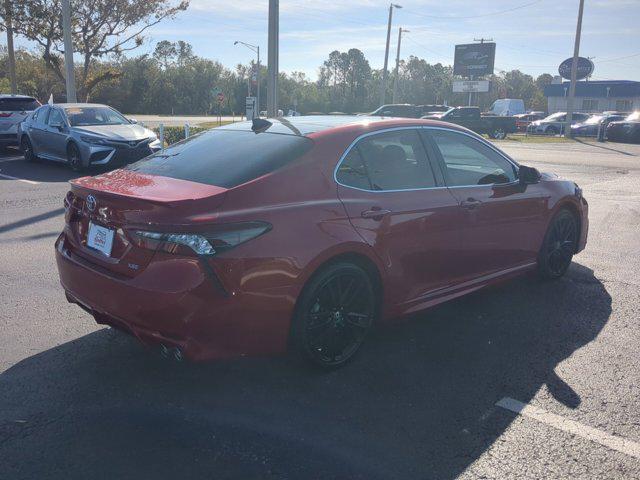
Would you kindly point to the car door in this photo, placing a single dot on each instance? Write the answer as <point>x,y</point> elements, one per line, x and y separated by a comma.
<point>56,135</point>
<point>503,219</point>
<point>399,206</point>
<point>37,130</point>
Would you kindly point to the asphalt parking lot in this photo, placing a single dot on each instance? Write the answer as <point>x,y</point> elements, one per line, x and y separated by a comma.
<point>436,397</point>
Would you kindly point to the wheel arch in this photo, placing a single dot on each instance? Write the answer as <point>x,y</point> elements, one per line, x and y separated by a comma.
<point>358,254</point>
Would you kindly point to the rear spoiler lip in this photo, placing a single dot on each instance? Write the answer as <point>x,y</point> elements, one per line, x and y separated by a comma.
<point>201,191</point>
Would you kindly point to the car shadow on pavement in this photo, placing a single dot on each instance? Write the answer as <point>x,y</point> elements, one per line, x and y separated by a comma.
<point>43,171</point>
<point>418,402</point>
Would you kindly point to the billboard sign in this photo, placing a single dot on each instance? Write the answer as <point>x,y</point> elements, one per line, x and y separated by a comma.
<point>584,70</point>
<point>470,86</point>
<point>474,59</point>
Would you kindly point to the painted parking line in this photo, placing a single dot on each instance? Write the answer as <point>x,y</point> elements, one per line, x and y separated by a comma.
<point>9,177</point>
<point>613,442</point>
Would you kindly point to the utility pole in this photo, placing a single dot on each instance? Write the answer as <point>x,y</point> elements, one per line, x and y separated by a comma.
<point>574,72</point>
<point>272,59</point>
<point>12,55</point>
<point>256,49</point>
<point>481,40</point>
<point>68,52</point>
<point>383,81</point>
<point>395,76</point>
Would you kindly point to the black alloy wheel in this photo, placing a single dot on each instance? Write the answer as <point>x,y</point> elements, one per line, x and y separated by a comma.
<point>559,245</point>
<point>27,149</point>
<point>335,312</point>
<point>74,159</point>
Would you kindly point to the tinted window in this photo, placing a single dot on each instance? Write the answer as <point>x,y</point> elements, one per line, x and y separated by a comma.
<point>18,104</point>
<point>395,161</point>
<point>352,171</point>
<point>43,114</point>
<point>224,158</point>
<point>55,117</point>
<point>470,162</point>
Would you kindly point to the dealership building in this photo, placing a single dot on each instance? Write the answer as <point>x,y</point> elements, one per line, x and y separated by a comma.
<point>595,96</point>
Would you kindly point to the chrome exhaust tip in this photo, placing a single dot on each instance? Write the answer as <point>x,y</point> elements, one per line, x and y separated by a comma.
<point>177,354</point>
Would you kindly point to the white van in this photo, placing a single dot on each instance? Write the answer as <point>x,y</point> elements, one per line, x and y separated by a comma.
<point>505,107</point>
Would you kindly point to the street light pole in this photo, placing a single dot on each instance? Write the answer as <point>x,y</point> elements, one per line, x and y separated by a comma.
<point>574,72</point>
<point>383,80</point>
<point>272,59</point>
<point>10,51</point>
<point>395,76</point>
<point>68,52</point>
<point>256,49</point>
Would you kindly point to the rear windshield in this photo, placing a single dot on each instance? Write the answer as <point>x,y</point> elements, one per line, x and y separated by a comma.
<point>225,158</point>
<point>18,104</point>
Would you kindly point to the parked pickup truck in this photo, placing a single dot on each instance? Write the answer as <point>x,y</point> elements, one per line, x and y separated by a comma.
<point>470,117</point>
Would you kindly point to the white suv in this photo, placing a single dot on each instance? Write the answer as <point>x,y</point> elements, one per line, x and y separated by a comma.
<point>13,110</point>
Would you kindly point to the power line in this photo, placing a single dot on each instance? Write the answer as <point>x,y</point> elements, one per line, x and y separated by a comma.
<point>619,58</point>
<point>458,17</point>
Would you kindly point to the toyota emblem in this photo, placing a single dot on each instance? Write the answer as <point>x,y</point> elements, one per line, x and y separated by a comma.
<point>91,203</point>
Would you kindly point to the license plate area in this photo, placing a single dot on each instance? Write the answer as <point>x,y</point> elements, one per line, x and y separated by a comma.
<point>100,238</point>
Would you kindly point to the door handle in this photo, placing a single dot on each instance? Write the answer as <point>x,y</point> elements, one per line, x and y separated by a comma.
<point>470,203</point>
<point>376,213</point>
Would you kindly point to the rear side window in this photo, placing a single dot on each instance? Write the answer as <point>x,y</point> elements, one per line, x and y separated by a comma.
<point>352,171</point>
<point>393,160</point>
<point>18,104</point>
<point>225,158</point>
<point>469,162</point>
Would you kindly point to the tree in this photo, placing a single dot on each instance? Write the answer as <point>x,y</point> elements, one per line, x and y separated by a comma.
<point>100,28</point>
<point>165,53</point>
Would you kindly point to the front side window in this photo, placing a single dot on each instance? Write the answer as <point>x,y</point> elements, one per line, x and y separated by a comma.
<point>85,116</point>
<point>387,161</point>
<point>55,117</point>
<point>468,161</point>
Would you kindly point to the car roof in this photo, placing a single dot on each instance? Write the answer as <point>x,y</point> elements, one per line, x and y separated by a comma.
<point>317,124</point>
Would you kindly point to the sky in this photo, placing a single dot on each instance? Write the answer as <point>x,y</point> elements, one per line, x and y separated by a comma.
<point>532,36</point>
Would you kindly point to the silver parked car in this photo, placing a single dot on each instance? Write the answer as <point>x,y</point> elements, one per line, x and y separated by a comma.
<point>84,134</point>
<point>13,110</point>
<point>555,123</point>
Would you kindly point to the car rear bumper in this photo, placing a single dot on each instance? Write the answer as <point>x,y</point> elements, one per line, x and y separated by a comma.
<point>176,304</point>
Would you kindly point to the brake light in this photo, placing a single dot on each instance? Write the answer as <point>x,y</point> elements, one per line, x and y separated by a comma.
<point>217,240</point>
<point>5,114</point>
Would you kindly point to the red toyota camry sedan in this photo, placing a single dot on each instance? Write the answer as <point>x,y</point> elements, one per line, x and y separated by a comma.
<point>300,234</point>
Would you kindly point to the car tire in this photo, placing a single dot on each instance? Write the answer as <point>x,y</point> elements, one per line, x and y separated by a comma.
<point>551,130</point>
<point>333,314</point>
<point>498,134</point>
<point>559,245</point>
<point>74,159</point>
<point>27,149</point>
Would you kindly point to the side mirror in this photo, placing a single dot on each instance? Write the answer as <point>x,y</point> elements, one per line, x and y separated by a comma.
<point>57,125</point>
<point>133,120</point>
<point>528,175</point>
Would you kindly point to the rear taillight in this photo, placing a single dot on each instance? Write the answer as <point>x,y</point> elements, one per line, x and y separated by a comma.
<point>70,206</point>
<point>5,114</point>
<point>211,242</point>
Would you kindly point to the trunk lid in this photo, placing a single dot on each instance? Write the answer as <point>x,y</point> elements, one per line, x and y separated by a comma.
<point>123,201</point>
